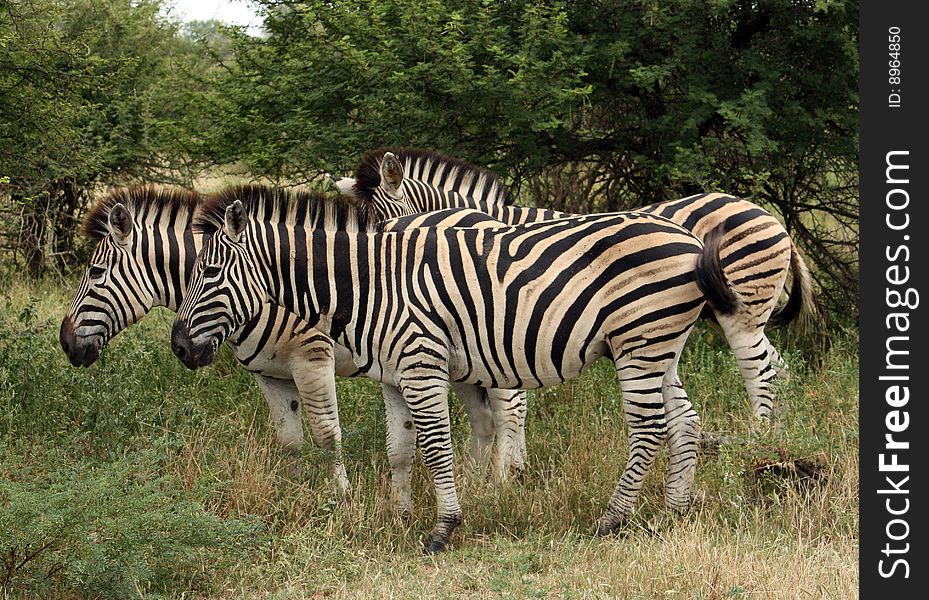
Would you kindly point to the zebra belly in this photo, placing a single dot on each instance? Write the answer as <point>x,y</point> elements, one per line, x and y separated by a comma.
<point>519,375</point>
<point>344,362</point>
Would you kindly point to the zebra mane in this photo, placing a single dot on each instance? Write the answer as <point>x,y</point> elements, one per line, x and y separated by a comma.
<point>146,203</point>
<point>312,209</point>
<point>434,169</point>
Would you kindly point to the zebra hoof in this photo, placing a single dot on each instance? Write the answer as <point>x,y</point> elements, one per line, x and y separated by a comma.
<point>606,526</point>
<point>435,543</point>
<point>439,538</point>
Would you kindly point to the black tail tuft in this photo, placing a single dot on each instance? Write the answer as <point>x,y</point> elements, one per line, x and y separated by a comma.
<point>800,302</point>
<point>710,277</point>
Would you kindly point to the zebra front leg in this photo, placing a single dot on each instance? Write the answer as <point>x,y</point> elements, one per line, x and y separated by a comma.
<point>509,413</point>
<point>643,407</point>
<point>425,391</point>
<point>284,405</point>
<point>315,379</point>
<point>401,448</point>
<point>683,442</point>
<point>476,404</point>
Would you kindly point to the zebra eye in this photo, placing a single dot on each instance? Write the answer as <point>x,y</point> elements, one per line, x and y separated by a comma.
<point>96,272</point>
<point>211,271</point>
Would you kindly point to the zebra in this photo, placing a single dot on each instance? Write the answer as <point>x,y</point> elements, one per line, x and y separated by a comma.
<point>757,252</point>
<point>513,307</point>
<point>144,258</point>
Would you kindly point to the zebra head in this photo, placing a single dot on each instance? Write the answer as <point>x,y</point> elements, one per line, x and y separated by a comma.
<point>113,293</point>
<point>224,293</point>
<point>385,194</point>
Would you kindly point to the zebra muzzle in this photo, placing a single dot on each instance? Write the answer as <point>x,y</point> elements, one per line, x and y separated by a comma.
<point>191,354</point>
<point>80,353</point>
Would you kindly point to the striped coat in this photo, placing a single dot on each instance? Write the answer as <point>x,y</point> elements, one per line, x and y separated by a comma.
<point>513,307</point>
<point>757,252</point>
<point>144,258</point>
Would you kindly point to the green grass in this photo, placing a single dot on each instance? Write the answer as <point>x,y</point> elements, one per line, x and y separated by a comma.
<point>140,478</point>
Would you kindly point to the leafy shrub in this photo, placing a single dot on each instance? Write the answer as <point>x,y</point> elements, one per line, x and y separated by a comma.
<point>106,529</point>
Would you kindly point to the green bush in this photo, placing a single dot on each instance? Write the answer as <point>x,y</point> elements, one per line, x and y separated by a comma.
<point>109,529</point>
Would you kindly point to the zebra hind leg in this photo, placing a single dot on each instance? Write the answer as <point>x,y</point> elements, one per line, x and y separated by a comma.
<point>476,403</point>
<point>752,352</point>
<point>780,366</point>
<point>644,410</point>
<point>509,414</point>
<point>683,442</point>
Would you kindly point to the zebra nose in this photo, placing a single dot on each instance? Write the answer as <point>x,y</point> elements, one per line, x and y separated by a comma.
<point>66,335</point>
<point>81,351</point>
<point>181,344</point>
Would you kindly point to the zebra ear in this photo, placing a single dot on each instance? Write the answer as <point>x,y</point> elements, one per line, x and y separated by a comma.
<point>120,223</point>
<point>391,173</point>
<point>235,221</point>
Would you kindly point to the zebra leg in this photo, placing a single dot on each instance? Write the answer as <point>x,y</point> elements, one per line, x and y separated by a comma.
<point>777,362</point>
<point>683,439</point>
<point>781,375</point>
<point>751,348</point>
<point>643,406</point>
<point>475,402</point>
<point>425,390</point>
<point>315,379</point>
<point>401,448</point>
<point>521,411</point>
<point>284,405</point>
<point>509,414</point>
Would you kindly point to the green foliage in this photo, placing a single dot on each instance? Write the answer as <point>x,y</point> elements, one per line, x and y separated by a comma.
<point>88,502</point>
<point>581,105</point>
<point>91,93</point>
<point>109,529</point>
<point>483,80</point>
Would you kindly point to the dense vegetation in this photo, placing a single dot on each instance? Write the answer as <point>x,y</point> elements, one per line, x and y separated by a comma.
<point>580,106</point>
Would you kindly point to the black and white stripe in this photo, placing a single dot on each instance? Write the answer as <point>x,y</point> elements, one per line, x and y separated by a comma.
<point>513,307</point>
<point>757,251</point>
<point>143,259</point>
<point>757,254</point>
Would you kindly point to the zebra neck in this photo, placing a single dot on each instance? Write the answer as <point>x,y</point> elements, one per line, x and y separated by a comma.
<point>321,276</point>
<point>173,265</point>
<point>423,197</point>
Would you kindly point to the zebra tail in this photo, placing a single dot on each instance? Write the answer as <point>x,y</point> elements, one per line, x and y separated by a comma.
<point>710,277</point>
<point>800,303</point>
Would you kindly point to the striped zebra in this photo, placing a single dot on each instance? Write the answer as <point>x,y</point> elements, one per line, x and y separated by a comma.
<point>757,252</point>
<point>144,258</point>
<point>513,307</point>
